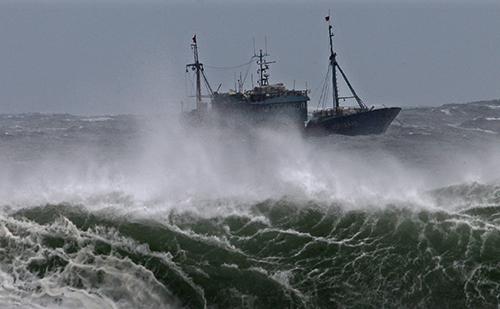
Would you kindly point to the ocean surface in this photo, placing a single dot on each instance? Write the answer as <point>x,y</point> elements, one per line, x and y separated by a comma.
<point>137,212</point>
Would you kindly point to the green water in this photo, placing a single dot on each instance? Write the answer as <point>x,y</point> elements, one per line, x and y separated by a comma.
<point>277,254</point>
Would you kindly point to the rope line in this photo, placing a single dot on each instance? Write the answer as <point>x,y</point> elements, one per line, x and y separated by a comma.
<point>324,90</point>
<point>230,67</point>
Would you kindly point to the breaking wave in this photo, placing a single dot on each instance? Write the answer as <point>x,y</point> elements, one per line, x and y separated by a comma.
<point>275,253</point>
<point>112,212</point>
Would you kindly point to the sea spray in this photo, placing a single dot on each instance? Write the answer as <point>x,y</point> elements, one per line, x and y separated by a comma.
<point>139,212</point>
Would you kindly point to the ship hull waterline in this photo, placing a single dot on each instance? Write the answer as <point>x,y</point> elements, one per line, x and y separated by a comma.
<point>368,122</point>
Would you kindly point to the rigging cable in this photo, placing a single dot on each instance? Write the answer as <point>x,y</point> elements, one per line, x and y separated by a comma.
<point>248,70</point>
<point>324,89</point>
<point>230,67</point>
<point>207,85</point>
<point>247,64</point>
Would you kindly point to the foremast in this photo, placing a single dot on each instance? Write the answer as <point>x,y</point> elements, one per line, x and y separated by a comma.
<point>334,66</point>
<point>197,67</point>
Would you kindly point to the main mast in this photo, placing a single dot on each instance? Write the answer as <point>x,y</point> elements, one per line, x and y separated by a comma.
<point>333,64</point>
<point>263,67</point>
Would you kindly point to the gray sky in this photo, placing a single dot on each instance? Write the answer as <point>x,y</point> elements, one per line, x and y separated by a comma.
<point>109,57</point>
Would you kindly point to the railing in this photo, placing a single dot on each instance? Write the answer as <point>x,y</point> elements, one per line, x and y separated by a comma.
<point>335,112</point>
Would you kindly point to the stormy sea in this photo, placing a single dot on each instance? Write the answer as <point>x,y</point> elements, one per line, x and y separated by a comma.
<point>139,212</point>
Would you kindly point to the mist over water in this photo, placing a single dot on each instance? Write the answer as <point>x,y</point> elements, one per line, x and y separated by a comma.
<point>129,212</point>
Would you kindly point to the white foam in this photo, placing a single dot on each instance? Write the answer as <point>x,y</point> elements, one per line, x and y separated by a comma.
<point>171,169</point>
<point>87,281</point>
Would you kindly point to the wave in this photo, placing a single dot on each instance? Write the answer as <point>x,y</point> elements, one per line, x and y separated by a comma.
<point>277,253</point>
<point>109,213</point>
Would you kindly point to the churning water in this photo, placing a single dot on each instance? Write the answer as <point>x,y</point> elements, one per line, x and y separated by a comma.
<point>134,212</point>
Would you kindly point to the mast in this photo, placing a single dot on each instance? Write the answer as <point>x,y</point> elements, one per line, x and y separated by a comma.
<point>263,67</point>
<point>333,64</point>
<point>198,68</point>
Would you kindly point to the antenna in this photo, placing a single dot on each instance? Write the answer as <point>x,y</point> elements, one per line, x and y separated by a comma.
<point>265,44</point>
<point>254,53</point>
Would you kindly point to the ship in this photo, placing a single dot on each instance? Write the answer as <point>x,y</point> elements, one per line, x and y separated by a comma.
<point>266,105</point>
<point>276,106</point>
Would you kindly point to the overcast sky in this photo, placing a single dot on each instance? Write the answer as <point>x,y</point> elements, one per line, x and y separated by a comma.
<point>111,57</point>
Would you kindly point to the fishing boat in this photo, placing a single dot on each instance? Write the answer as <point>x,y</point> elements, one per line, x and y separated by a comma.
<point>276,106</point>
<point>266,104</point>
